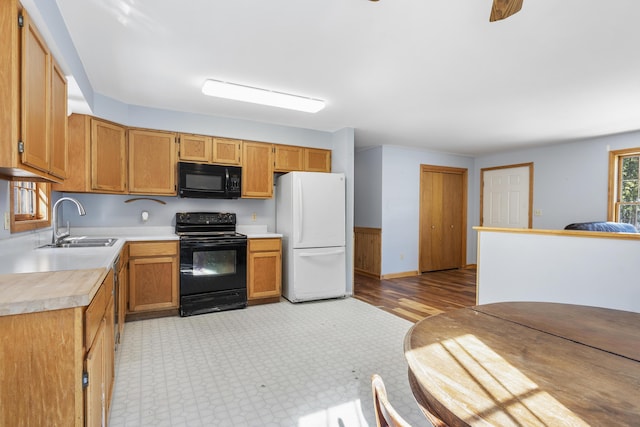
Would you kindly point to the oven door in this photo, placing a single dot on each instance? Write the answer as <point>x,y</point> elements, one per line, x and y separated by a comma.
<point>212,265</point>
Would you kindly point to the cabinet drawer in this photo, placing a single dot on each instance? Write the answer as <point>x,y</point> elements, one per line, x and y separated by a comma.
<point>262,245</point>
<point>152,249</point>
<point>94,314</point>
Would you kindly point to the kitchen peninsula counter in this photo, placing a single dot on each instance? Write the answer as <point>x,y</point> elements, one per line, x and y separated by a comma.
<point>34,292</point>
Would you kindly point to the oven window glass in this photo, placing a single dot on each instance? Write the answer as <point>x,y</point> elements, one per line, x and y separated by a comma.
<point>214,263</point>
<point>204,182</point>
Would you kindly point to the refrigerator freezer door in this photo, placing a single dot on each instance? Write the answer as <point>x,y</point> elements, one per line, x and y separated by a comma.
<point>314,274</point>
<point>318,206</point>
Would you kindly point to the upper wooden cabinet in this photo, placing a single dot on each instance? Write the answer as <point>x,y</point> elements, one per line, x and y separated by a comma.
<point>59,157</point>
<point>288,158</point>
<point>36,97</point>
<point>33,98</point>
<point>207,149</point>
<point>108,153</point>
<point>110,158</point>
<point>152,162</point>
<point>257,170</point>
<point>317,160</point>
<point>195,148</point>
<point>227,151</point>
<point>98,153</point>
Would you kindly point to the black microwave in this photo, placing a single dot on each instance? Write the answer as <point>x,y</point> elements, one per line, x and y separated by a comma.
<point>209,181</point>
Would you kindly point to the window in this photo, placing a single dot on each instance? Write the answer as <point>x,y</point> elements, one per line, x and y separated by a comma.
<point>30,205</point>
<point>624,186</point>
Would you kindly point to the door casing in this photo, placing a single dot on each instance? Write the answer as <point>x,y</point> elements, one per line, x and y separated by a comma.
<point>505,168</point>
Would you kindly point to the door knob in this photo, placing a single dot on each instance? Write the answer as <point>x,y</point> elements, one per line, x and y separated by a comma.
<point>433,227</point>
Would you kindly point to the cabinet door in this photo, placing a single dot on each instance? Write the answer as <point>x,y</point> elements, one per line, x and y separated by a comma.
<point>317,160</point>
<point>153,283</point>
<point>95,411</point>
<point>195,148</point>
<point>264,278</point>
<point>227,151</point>
<point>36,78</point>
<point>257,170</point>
<point>289,158</point>
<point>152,162</point>
<point>78,178</point>
<point>59,140</point>
<point>109,353</point>
<point>108,157</point>
<point>123,280</point>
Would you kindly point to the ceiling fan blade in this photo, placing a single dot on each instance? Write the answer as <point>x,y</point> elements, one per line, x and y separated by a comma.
<point>502,9</point>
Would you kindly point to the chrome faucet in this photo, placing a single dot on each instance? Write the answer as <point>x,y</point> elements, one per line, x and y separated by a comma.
<point>57,236</point>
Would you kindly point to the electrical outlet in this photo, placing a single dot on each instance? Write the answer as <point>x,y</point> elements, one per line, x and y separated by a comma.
<point>537,212</point>
<point>253,217</point>
<point>7,220</point>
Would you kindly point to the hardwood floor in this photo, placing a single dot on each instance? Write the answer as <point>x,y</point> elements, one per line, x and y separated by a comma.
<point>414,298</point>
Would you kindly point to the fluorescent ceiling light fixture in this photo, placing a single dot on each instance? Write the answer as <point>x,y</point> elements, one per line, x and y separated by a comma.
<point>256,95</point>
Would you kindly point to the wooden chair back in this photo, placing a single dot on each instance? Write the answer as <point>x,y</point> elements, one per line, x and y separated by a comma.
<point>386,415</point>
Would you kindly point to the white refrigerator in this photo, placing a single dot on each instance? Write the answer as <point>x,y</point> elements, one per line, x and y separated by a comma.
<point>310,214</point>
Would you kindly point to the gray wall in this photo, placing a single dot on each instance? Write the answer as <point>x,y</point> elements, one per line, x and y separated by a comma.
<point>401,203</point>
<point>570,180</point>
<point>4,206</point>
<point>368,187</point>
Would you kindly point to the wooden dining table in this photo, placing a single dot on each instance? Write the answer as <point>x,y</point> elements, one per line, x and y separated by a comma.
<point>527,364</point>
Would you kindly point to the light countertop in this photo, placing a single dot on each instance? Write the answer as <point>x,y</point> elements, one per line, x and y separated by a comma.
<point>33,292</point>
<point>256,231</point>
<point>36,279</point>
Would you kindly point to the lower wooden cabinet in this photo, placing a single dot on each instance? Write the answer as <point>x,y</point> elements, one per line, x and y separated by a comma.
<point>153,276</point>
<point>46,358</point>
<point>94,368</point>
<point>100,359</point>
<point>264,270</point>
<point>123,288</point>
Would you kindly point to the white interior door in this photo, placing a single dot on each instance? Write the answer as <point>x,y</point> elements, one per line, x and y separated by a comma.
<point>506,196</point>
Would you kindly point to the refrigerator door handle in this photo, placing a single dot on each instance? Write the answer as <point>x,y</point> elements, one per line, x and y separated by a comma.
<point>300,212</point>
<point>336,252</point>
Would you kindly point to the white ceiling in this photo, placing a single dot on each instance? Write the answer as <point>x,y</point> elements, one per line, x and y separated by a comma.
<point>428,73</point>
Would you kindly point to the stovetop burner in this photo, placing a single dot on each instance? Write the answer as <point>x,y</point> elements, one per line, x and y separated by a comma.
<point>207,224</point>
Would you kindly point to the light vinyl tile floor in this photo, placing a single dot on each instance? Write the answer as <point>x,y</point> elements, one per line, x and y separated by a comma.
<point>283,364</point>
